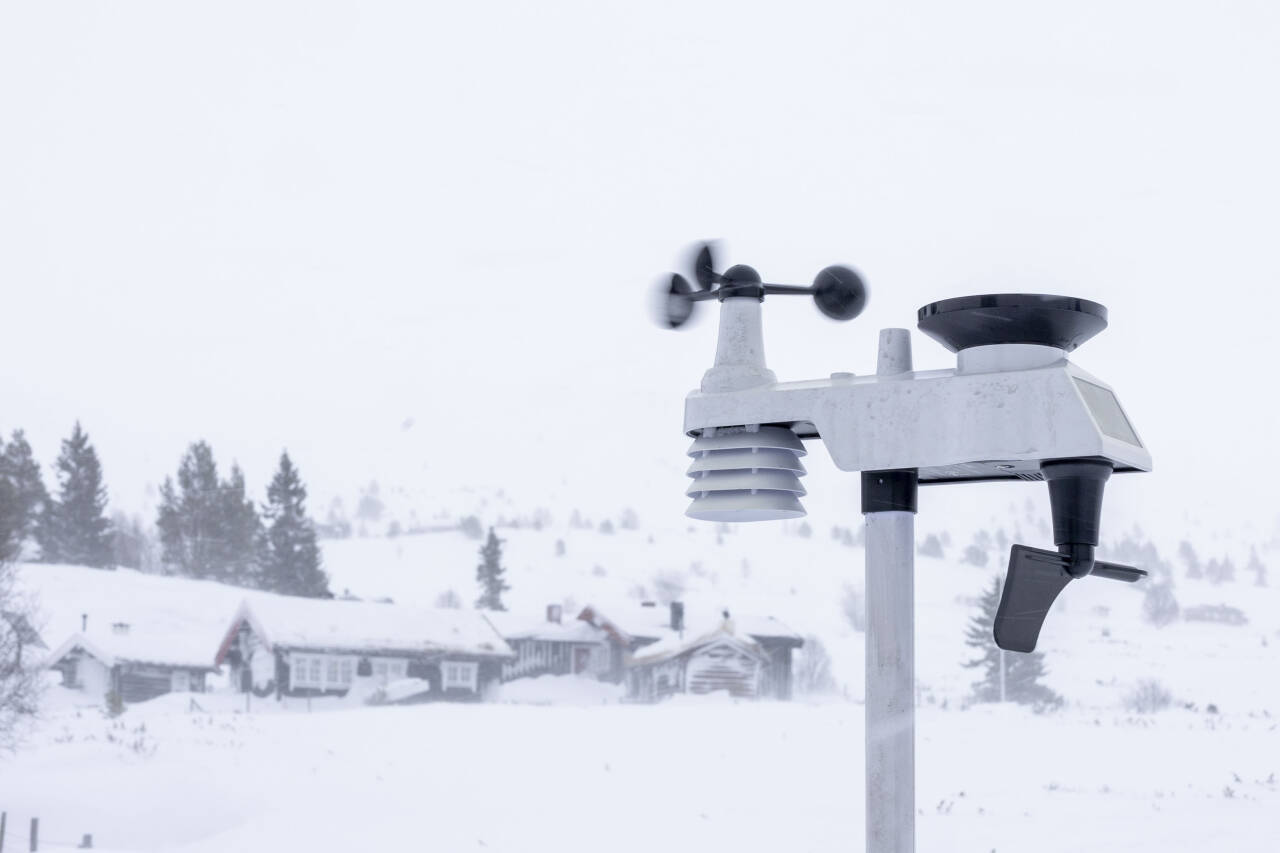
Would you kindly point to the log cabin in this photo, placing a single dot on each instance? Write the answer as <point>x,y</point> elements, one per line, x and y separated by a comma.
<point>132,663</point>
<point>552,646</point>
<point>651,642</point>
<point>285,646</point>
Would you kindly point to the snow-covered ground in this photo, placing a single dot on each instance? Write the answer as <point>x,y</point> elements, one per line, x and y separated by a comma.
<point>561,764</point>
<point>705,775</point>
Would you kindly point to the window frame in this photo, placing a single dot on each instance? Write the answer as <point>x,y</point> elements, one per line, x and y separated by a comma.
<point>450,669</point>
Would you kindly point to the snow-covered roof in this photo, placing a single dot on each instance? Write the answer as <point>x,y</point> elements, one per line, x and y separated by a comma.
<point>282,621</point>
<point>516,626</point>
<point>654,622</point>
<point>673,644</point>
<point>127,616</point>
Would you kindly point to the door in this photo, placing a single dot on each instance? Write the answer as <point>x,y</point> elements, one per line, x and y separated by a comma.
<point>581,659</point>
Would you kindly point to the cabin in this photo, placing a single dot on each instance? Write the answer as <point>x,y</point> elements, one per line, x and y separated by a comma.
<point>287,646</point>
<point>648,635</point>
<point>551,646</point>
<point>132,663</point>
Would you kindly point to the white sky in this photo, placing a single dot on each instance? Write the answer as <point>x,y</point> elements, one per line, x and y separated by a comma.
<point>303,224</point>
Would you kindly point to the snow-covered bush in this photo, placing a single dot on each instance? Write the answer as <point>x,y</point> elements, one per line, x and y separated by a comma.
<point>1159,606</point>
<point>811,670</point>
<point>1222,613</point>
<point>855,608</point>
<point>1147,697</point>
<point>931,546</point>
<point>668,586</point>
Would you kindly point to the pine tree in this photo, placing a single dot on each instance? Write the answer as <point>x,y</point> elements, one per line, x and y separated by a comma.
<point>189,518</point>
<point>1258,568</point>
<point>18,464</point>
<point>243,537</point>
<point>74,526</point>
<point>291,563</point>
<point>10,520</point>
<point>491,575</point>
<point>1022,672</point>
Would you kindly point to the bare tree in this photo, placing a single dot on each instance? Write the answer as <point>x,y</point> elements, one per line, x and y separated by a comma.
<point>19,670</point>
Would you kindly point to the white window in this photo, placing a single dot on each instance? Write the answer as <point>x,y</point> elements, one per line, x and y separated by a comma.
<point>321,672</point>
<point>458,674</point>
<point>389,669</point>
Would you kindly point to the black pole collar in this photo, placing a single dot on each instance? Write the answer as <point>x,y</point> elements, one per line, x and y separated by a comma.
<point>889,491</point>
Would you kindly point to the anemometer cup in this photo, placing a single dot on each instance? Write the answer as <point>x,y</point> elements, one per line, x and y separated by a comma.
<point>1036,576</point>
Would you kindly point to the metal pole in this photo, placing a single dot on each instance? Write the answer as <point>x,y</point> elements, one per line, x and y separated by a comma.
<point>889,505</point>
<point>890,683</point>
<point>1002,675</point>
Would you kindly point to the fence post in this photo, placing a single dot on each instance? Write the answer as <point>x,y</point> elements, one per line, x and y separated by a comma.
<point>35,834</point>
<point>4,818</point>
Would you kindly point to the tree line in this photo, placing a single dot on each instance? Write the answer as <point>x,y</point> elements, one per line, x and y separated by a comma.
<point>208,526</point>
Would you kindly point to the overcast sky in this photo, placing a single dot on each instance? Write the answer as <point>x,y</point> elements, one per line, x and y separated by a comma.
<point>414,242</point>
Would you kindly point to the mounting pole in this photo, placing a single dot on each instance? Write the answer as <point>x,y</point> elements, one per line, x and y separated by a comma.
<point>889,506</point>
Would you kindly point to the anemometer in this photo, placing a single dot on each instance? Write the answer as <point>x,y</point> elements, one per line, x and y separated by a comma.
<point>1013,408</point>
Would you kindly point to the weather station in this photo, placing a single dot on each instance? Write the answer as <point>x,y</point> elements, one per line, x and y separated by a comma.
<point>1013,408</point>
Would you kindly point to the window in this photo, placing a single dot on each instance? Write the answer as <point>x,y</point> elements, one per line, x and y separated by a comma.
<point>459,675</point>
<point>389,669</point>
<point>322,672</point>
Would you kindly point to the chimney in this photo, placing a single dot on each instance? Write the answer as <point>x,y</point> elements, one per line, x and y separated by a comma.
<point>677,616</point>
<point>84,622</point>
<point>554,613</point>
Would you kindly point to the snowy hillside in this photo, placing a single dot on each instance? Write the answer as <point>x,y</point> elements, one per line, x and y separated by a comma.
<point>563,763</point>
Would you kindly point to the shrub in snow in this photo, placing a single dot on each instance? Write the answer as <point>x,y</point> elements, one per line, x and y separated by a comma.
<point>668,586</point>
<point>449,600</point>
<point>599,571</point>
<point>471,527</point>
<point>1159,607</point>
<point>1258,568</point>
<point>559,547</point>
<point>606,526</point>
<point>804,530</point>
<point>855,608</point>
<point>1189,556</point>
<point>115,704</point>
<point>629,520</point>
<point>1147,697</point>
<point>20,683</point>
<point>1220,571</point>
<point>931,546</point>
<point>811,670</point>
<point>1222,613</point>
<point>974,555</point>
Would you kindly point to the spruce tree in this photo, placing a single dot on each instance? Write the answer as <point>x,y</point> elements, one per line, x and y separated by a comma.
<point>243,537</point>
<point>18,464</point>
<point>491,575</point>
<point>190,516</point>
<point>10,520</point>
<point>291,562</point>
<point>1022,672</point>
<point>75,528</point>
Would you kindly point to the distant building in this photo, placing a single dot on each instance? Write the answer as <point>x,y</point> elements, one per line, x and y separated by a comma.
<point>661,651</point>
<point>134,662</point>
<point>551,646</point>
<point>290,646</point>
